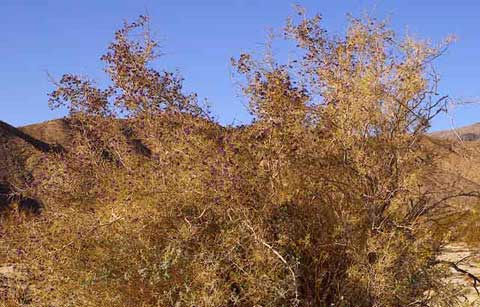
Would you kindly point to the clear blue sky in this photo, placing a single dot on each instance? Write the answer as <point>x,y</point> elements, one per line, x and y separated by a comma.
<point>199,37</point>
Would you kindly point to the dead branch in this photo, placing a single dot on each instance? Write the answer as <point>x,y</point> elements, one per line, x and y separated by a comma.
<point>454,265</point>
<point>292,272</point>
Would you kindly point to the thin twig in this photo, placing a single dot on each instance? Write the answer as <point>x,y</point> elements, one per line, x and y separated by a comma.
<point>294,278</point>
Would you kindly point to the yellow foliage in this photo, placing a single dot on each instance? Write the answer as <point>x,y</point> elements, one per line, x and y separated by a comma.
<point>319,202</point>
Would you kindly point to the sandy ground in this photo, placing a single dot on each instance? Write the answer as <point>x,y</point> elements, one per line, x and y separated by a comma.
<point>467,259</point>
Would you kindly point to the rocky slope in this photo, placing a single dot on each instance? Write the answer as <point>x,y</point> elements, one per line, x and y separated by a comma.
<point>19,151</point>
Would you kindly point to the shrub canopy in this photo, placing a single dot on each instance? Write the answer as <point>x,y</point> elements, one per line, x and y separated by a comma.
<point>323,200</point>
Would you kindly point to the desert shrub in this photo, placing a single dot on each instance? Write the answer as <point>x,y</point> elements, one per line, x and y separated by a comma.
<point>321,201</point>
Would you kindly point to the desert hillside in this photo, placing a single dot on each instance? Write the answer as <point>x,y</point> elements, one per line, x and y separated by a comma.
<point>20,150</point>
<point>466,133</point>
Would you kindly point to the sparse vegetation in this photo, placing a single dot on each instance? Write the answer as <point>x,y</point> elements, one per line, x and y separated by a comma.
<point>328,198</point>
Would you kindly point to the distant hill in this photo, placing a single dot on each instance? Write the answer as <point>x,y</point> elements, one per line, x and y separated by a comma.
<point>467,133</point>
<point>19,152</point>
<point>54,131</point>
<point>17,145</point>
